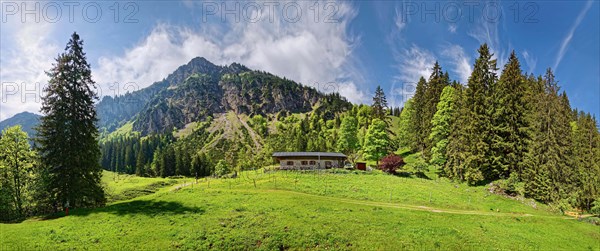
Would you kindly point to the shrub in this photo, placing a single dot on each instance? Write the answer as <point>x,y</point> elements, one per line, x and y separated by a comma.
<point>390,163</point>
<point>221,168</point>
<point>595,210</point>
<point>420,166</point>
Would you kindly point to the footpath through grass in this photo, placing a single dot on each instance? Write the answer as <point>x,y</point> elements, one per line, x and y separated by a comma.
<point>295,210</point>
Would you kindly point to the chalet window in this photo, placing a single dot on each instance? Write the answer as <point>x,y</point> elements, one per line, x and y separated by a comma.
<point>304,162</point>
<point>290,163</point>
<point>328,163</point>
<point>312,162</point>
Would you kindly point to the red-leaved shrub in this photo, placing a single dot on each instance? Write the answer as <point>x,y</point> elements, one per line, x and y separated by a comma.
<point>390,163</point>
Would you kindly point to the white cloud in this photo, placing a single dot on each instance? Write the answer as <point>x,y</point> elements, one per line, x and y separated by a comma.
<point>567,39</point>
<point>23,64</point>
<point>530,60</point>
<point>452,28</point>
<point>308,52</point>
<point>460,62</point>
<point>413,63</point>
<point>400,21</point>
<point>489,32</point>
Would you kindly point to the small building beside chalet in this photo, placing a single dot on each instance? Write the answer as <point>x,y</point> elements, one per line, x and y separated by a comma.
<point>309,160</point>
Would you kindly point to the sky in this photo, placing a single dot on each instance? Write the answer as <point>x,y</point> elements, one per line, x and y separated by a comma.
<point>346,46</point>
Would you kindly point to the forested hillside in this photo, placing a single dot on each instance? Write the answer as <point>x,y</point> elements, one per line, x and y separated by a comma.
<point>516,128</point>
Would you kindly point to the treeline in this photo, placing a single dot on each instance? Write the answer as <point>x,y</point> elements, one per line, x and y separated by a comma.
<point>516,128</point>
<point>156,155</point>
<point>333,126</point>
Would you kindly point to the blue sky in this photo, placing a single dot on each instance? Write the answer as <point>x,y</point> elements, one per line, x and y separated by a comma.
<point>346,46</point>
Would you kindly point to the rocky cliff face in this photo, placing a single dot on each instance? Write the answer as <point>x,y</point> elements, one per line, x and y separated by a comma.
<point>114,112</point>
<point>200,89</point>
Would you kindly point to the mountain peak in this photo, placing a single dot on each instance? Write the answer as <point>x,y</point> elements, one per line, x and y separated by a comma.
<point>200,61</point>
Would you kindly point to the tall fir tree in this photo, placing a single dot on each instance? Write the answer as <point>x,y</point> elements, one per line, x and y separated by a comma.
<point>548,156</point>
<point>509,124</point>
<point>406,129</point>
<point>477,164</point>
<point>420,104</point>
<point>438,80</point>
<point>457,148</point>
<point>586,156</point>
<point>379,104</point>
<point>67,134</point>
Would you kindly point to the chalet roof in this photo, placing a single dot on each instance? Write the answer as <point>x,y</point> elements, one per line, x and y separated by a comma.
<point>308,154</point>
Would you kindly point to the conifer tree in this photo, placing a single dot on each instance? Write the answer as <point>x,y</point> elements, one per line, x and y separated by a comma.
<point>438,80</point>
<point>379,104</point>
<point>67,134</point>
<point>547,158</point>
<point>477,164</point>
<point>406,129</point>
<point>458,139</point>
<point>509,129</point>
<point>420,104</point>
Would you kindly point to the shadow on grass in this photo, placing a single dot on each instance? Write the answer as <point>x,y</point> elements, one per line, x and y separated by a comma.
<point>136,207</point>
<point>405,174</point>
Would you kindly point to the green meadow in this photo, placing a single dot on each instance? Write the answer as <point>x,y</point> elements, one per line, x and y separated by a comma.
<point>333,209</point>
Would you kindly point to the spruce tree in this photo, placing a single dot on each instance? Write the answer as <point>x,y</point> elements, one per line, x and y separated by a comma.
<point>547,174</point>
<point>457,149</point>
<point>67,134</point>
<point>420,104</point>
<point>477,164</point>
<point>509,125</point>
<point>438,80</point>
<point>379,104</point>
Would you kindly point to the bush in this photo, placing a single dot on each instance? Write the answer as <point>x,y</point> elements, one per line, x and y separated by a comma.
<point>512,186</point>
<point>420,166</point>
<point>390,163</point>
<point>595,210</point>
<point>221,168</point>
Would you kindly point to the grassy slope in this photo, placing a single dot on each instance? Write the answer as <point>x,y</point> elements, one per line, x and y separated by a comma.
<point>342,210</point>
<point>124,186</point>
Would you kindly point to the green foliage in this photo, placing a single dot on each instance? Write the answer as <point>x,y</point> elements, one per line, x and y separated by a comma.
<point>376,141</point>
<point>68,137</point>
<point>222,168</point>
<point>379,107</point>
<point>508,139</point>
<point>306,211</point>
<point>548,175</point>
<point>16,175</point>
<point>442,123</point>
<point>406,129</point>
<point>418,124</point>
<point>596,208</point>
<point>348,140</point>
